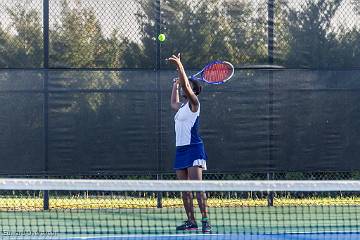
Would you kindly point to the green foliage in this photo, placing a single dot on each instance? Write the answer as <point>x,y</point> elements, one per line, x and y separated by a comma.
<point>202,30</point>
<point>4,42</point>
<point>311,42</point>
<point>23,47</point>
<point>77,40</point>
<point>348,52</point>
<point>248,31</point>
<point>282,35</point>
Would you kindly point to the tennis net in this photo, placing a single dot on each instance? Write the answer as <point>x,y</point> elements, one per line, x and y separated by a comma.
<point>118,209</point>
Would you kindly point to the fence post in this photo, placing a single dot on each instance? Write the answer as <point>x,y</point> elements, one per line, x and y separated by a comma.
<point>271,20</point>
<point>46,93</point>
<point>270,176</point>
<point>158,86</point>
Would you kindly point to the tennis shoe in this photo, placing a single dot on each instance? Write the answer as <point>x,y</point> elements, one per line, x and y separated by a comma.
<point>206,228</point>
<point>188,225</point>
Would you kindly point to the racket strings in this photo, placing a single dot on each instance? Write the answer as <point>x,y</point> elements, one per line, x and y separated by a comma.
<point>218,72</point>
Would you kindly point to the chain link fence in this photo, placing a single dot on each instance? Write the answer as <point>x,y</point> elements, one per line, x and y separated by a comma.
<point>90,34</point>
<point>209,175</point>
<point>123,34</point>
<point>21,34</point>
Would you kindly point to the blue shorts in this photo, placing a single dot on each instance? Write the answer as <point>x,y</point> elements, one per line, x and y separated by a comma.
<point>186,155</point>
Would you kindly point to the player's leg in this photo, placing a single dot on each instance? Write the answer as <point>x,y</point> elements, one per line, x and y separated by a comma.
<point>195,173</point>
<point>187,198</point>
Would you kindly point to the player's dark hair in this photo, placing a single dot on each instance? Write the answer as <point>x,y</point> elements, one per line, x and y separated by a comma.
<point>196,87</point>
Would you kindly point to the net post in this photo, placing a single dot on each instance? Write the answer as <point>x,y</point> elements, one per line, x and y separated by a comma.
<point>270,196</point>
<point>46,200</point>
<point>159,194</point>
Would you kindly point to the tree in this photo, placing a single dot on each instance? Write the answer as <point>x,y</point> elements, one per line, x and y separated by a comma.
<point>77,40</point>
<point>311,42</point>
<point>348,52</point>
<point>4,43</point>
<point>23,46</point>
<point>202,31</point>
<point>22,114</point>
<point>281,32</point>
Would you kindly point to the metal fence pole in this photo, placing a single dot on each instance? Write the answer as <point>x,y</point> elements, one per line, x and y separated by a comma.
<point>158,86</point>
<point>271,20</point>
<point>270,176</point>
<point>46,93</point>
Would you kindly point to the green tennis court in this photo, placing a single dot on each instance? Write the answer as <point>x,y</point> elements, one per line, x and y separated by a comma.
<point>138,209</point>
<point>262,220</point>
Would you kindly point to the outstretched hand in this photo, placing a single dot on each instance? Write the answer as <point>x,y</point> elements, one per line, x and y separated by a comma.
<point>175,59</point>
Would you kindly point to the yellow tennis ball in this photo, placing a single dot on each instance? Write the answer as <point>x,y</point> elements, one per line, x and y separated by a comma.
<point>161,37</point>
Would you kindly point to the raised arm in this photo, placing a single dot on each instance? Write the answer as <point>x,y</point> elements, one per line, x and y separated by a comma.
<point>184,82</point>
<point>175,100</point>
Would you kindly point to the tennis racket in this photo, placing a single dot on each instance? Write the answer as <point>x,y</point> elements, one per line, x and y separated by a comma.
<point>216,72</point>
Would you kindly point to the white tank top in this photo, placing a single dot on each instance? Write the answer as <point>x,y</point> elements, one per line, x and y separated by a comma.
<point>187,126</point>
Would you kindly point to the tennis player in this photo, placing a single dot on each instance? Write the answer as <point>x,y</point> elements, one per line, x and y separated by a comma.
<point>190,153</point>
